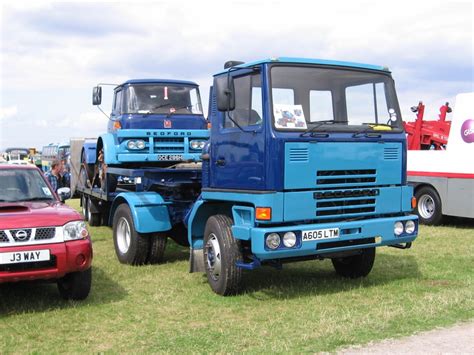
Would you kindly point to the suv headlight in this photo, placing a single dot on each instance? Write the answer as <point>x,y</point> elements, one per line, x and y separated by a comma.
<point>75,230</point>
<point>197,144</point>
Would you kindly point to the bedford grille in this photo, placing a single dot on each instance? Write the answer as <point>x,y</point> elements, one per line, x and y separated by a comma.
<point>170,145</point>
<point>342,178</point>
<point>345,202</point>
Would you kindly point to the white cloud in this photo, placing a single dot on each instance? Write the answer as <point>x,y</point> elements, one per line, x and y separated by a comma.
<point>7,112</point>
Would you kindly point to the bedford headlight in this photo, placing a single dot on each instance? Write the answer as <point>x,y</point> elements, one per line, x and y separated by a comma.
<point>289,239</point>
<point>398,228</point>
<point>410,227</point>
<point>140,144</point>
<point>75,230</point>
<point>197,144</point>
<point>132,145</point>
<point>272,241</point>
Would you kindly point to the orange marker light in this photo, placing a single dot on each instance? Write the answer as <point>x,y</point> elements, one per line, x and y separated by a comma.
<point>263,213</point>
<point>413,202</point>
<point>117,125</point>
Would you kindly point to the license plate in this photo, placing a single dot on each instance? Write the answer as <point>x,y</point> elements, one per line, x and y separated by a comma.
<point>170,157</point>
<point>29,256</point>
<point>319,234</point>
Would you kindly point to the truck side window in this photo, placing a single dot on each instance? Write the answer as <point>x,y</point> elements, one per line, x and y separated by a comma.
<point>248,102</point>
<point>117,103</point>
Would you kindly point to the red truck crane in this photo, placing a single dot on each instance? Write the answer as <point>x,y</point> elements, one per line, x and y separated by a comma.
<point>425,135</point>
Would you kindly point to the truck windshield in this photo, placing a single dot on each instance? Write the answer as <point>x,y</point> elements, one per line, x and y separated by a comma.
<point>313,98</point>
<point>23,185</point>
<point>162,99</point>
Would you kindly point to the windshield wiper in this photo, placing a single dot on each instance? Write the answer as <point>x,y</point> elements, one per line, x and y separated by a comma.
<point>370,127</point>
<point>316,125</point>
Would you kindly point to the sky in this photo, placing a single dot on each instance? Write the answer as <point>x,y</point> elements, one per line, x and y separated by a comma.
<point>53,53</point>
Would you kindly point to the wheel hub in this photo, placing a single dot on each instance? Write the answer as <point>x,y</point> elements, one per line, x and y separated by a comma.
<point>123,235</point>
<point>426,206</point>
<point>213,257</point>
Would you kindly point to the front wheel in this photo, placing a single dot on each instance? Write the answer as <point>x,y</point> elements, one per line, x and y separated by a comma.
<point>76,285</point>
<point>221,253</point>
<point>85,207</point>
<point>428,206</point>
<point>355,266</point>
<point>131,247</point>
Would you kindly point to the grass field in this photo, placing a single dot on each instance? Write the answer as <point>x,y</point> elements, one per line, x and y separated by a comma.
<point>303,308</point>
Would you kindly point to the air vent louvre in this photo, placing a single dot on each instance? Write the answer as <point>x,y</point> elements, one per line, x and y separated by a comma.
<point>391,153</point>
<point>299,155</point>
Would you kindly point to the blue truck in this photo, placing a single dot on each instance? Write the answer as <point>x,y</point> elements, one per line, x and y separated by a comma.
<point>306,159</point>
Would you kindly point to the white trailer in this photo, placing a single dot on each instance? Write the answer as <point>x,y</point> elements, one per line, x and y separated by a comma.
<point>444,179</point>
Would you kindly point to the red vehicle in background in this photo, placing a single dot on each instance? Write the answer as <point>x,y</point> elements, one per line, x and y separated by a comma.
<point>40,236</point>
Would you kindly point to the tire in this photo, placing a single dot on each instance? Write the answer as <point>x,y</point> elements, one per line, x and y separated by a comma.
<point>93,218</point>
<point>83,178</point>
<point>428,206</point>
<point>76,285</point>
<point>85,207</point>
<point>355,266</point>
<point>109,184</point>
<point>131,247</point>
<point>88,168</point>
<point>221,252</point>
<point>157,248</point>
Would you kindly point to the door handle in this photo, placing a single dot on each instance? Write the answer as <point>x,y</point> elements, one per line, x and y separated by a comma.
<point>220,162</point>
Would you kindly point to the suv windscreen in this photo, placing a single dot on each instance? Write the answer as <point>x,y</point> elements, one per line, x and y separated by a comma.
<point>162,99</point>
<point>333,99</point>
<point>23,185</point>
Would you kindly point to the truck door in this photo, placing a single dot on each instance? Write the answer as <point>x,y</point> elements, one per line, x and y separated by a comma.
<point>237,143</point>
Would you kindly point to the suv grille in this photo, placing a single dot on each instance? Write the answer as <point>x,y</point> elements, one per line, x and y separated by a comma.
<point>45,233</point>
<point>3,237</point>
<point>27,234</point>
<point>21,235</point>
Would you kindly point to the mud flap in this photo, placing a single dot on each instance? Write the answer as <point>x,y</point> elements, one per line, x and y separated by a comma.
<point>196,260</point>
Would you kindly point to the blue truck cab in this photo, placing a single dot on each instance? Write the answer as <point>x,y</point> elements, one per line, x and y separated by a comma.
<point>154,122</point>
<point>306,160</point>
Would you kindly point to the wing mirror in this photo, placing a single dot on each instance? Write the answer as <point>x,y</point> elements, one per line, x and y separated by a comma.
<point>225,92</point>
<point>64,193</point>
<point>96,95</point>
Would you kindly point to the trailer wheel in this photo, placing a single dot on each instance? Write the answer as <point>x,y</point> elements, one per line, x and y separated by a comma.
<point>428,206</point>
<point>85,207</point>
<point>93,218</point>
<point>88,168</point>
<point>221,252</point>
<point>76,285</point>
<point>157,248</point>
<point>83,178</point>
<point>355,266</point>
<point>131,247</point>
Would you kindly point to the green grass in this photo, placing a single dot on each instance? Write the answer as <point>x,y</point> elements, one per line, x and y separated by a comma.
<point>303,308</point>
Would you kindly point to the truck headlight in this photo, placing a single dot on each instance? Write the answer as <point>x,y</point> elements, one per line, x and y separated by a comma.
<point>289,239</point>
<point>272,241</point>
<point>136,144</point>
<point>398,228</point>
<point>197,144</point>
<point>410,227</point>
<point>75,230</point>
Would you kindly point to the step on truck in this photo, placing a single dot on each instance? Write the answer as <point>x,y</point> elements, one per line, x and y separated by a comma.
<point>149,156</point>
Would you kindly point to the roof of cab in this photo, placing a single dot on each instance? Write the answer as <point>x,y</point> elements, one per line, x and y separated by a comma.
<point>311,61</point>
<point>159,81</point>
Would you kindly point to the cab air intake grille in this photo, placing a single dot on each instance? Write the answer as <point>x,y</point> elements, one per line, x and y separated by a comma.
<point>391,153</point>
<point>299,155</point>
<point>343,178</point>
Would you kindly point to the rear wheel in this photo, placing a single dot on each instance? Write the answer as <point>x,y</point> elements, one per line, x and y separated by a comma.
<point>221,253</point>
<point>355,266</point>
<point>76,285</point>
<point>131,247</point>
<point>428,206</point>
<point>85,207</point>
<point>94,218</point>
<point>157,248</point>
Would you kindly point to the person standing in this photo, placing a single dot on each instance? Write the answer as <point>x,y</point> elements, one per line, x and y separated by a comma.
<point>54,175</point>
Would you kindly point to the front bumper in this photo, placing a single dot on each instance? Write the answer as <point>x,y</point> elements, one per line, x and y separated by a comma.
<point>351,237</point>
<point>65,257</point>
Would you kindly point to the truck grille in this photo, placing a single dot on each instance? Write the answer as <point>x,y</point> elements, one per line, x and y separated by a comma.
<point>169,145</point>
<point>345,178</point>
<point>345,202</point>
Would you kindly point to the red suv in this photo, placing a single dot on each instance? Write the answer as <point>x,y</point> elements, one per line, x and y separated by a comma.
<point>40,236</point>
